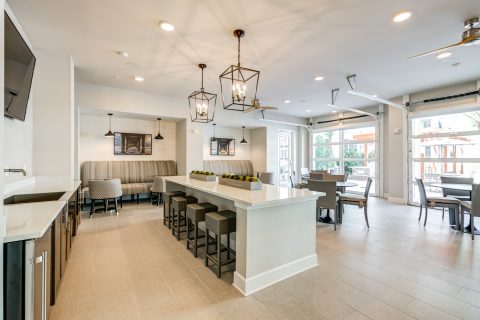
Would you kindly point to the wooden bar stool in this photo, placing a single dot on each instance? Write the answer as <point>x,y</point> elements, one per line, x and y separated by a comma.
<point>195,214</point>
<point>219,223</point>
<point>179,205</point>
<point>167,205</point>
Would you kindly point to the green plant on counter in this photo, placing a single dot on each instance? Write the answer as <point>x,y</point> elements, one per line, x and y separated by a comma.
<point>205,173</point>
<point>241,178</point>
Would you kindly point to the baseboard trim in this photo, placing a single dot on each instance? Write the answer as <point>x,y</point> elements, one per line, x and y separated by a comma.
<point>270,277</point>
<point>397,200</point>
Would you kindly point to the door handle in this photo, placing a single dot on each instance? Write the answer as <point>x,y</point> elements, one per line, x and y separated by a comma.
<point>43,260</point>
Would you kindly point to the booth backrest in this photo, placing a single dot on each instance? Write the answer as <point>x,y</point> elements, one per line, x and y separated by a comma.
<point>219,167</point>
<point>126,171</point>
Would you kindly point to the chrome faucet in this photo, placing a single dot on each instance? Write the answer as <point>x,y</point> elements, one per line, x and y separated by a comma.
<point>23,171</point>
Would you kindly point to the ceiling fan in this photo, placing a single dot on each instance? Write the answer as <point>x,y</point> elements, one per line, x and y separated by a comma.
<point>471,36</point>
<point>257,106</point>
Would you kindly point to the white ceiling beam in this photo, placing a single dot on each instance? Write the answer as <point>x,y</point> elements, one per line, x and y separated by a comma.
<point>377,99</point>
<point>353,110</point>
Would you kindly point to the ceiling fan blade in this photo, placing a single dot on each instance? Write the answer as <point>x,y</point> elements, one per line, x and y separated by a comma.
<point>251,109</point>
<point>438,50</point>
<point>268,108</point>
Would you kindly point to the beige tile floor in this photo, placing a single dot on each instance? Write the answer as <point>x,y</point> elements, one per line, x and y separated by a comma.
<point>130,267</point>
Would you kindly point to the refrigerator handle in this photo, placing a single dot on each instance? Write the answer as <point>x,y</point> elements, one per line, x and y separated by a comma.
<point>43,260</point>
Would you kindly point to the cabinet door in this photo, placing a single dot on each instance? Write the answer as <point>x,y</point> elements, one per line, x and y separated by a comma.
<point>63,243</point>
<point>56,256</point>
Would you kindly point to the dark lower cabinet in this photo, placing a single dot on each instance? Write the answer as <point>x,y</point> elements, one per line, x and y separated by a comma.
<point>33,269</point>
<point>27,271</point>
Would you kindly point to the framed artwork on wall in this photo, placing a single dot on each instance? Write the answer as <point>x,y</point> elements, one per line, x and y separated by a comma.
<point>222,147</point>
<point>132,143</point>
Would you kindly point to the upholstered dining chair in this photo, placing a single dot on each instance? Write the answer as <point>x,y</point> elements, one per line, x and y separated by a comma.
<point>316,176</point>
<point>157,190</point>
<point>266,177</point>
<point>105,190</point>
<point>318,171</point>
<point>329,201</point>
<point>458,194</point>
<point>472,207</point>
<point>356,200</point>
<point>435,202</point>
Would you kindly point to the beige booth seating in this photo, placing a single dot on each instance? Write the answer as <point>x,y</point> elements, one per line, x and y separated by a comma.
<point>219,167</point>
<point>136,176</point>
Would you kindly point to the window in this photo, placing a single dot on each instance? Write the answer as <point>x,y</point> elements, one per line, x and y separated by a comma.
<point>448,145</point>
<point>349,151</point>
<point>285,155</point>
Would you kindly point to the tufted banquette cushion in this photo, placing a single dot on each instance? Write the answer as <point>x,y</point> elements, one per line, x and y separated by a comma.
<point>136,176</point>
<point>219,167</point>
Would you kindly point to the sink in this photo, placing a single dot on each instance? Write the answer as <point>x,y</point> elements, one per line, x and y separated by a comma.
<point>34,197</point>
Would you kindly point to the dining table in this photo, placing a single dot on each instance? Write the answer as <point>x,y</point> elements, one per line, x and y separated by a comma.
<point>458,187</point>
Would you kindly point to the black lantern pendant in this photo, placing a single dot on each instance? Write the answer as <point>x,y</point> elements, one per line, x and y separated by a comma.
<point>159,136</point>
<point>243,138</point>
<point>109,133</point>
<point>239,84</point>
<point>202,103</point>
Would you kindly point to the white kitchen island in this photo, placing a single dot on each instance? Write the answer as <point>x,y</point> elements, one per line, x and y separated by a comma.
<point>276,228</point>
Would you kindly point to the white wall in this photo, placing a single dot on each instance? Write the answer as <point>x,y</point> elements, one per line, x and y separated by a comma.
<point>18,135</point>
<point>242,151</point>
<point>95,146</point>
<point>258,149</point>
<point>53,143</point>
<point>181,151</point>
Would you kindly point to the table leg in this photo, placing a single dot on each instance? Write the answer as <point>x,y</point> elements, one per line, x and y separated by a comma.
<point>452,218</point>
<point>327,218</point>
<point>469,227</point>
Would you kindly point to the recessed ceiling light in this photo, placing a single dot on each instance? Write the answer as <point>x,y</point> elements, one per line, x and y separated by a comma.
<point>308,111</point>
<point>123,54</point>
<point>318,78</point>
<point>287,101</point>
<point>167,26</point>
<point>375,95</point>
<point>334,111</point>
<point>402,16</point>
<point>444,55</point>
<point>138,78</point>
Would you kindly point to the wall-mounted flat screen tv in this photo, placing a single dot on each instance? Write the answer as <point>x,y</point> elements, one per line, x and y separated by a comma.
<point>19,65</point>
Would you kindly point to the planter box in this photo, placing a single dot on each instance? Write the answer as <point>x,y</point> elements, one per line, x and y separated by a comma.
<point>203,177</point>
<point>240,184</point>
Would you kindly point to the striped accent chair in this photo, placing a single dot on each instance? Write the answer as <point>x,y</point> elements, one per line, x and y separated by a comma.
<point>136,176</point>
<point>219,167</point>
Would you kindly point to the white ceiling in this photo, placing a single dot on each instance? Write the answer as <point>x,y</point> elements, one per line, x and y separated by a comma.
<point>289,41</point>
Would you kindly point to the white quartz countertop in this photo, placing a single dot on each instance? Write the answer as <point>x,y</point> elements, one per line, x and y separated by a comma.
<point>269,195</point>
<point>30,220</point>
<point>41,185</point>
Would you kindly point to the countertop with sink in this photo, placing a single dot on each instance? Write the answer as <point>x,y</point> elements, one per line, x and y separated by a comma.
<point>36,211</point>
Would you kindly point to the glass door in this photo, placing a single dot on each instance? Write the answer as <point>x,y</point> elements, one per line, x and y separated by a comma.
<point>443,145</point>
<point>349,151</point>
<point>285,157</point>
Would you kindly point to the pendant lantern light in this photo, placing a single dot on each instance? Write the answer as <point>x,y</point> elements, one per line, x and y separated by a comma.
<point>239,84</point>
<point>213,138</point>
<point>159,136</point>
<point>109,133</point>
<point>243,138</point>
<point>202,103</point>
